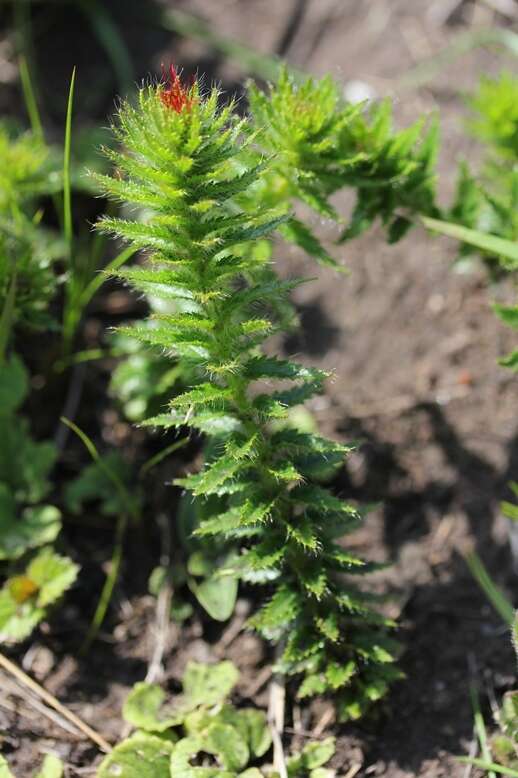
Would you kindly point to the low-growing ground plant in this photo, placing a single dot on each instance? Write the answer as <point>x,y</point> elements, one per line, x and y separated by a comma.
<point>185,159</point>
<point>200,733</point>
<point>35,579</point>
<point>499,750</point>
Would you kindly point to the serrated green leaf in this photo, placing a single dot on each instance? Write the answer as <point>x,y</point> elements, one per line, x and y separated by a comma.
<point>279,611</point>
<point>24,598</point>
<point>338,675</point>
<point>212,478</point>
<point>248,514</point>
<point>299,233</point>
<point>52,574</point>
<point>17,620</point>
<point>204,394</point>
<point>303,533</point>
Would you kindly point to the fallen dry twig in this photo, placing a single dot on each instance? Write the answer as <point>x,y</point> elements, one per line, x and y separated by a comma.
<point>162,626</point>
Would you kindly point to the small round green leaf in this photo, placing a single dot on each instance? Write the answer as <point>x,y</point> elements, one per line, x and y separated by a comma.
<point>209,685</point>
<point>141,756</point>
<point>144,708</point>
<point>227,745</point>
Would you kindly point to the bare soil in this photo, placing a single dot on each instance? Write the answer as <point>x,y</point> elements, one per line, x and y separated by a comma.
<point>413,346</point>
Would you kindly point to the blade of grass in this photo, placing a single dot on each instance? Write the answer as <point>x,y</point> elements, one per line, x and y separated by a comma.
<point>480,727</point>
<point>87,355</point>
<point>120,534</point>
<point>495,596</point>
<point>146,467</point>
<point>101,276</point>
<point>111,475</point>
<point>30,99</point>
<point>481,240</point>
<point>109,585</point>
<point>67,189</point>
<point>496,768</point>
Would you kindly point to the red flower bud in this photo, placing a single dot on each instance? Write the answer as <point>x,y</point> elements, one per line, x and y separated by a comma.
<point>173,93</point>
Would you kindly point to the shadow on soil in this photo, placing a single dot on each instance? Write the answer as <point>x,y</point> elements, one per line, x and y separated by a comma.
<point>450,634</point>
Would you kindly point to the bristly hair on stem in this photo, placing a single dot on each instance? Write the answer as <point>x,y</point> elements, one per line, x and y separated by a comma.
<point>189,168</point>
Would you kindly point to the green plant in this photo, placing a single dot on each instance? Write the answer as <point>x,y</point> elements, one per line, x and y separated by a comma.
<point>180,157</point>
<point>27,250</point>
<point>488,202</point>
<point>84,255</point>
<point>495,111</point>
<point>323,144</point>
<point>318,144</point>
<point>26,523</point>
<point>500,752</point>
<point>201,725</point>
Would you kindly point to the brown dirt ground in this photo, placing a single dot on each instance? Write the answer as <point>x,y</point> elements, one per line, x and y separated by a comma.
<point>413,348</point>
